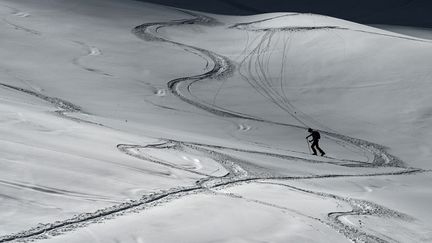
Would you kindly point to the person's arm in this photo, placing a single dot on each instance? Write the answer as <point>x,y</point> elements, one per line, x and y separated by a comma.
<point>313,138</point>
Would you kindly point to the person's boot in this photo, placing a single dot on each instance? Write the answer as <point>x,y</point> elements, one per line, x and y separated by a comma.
<point>322,154</point>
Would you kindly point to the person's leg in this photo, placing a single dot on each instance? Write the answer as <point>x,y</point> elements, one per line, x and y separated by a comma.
<point>313,148</point>
<point>319,149</point>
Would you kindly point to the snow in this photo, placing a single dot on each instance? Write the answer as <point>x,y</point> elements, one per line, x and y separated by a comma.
<point>192,129</point>
<point>424,33</point>
<point>198,219</point>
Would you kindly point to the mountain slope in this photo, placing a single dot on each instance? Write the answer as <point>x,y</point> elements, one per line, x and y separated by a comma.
<point>132,122</point>
<point>396,12</point>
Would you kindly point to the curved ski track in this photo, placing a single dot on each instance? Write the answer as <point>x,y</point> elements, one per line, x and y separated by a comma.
<point>91,51</point>
<point>239,170</point>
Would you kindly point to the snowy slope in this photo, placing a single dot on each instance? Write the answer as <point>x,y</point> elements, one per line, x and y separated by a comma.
<point>425,33</point>
<point>414,13</point>
<point>163,125</point>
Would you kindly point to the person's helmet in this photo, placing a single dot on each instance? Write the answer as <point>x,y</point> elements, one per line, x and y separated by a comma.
<point>310,130</point>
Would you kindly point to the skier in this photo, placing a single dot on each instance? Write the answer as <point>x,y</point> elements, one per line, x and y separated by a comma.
<point>315,139</point>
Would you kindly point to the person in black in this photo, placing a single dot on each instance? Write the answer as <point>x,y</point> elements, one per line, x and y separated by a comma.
<point>315,139</point>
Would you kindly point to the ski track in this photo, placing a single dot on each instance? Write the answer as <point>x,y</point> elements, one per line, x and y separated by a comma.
<point>58,192</point>
<point>359,208</point>
<point>65,108</point>
<point>21,28</point>
<point>246,26</point>
<point>91,51</point>
<point>21,14</point>
<point>239,171</point>
<point>242,25</point>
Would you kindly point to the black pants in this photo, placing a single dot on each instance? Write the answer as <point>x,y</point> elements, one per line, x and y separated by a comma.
<point>315,145</point>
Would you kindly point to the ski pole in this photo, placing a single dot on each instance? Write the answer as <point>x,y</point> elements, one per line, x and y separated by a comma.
<point>307,142</point>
